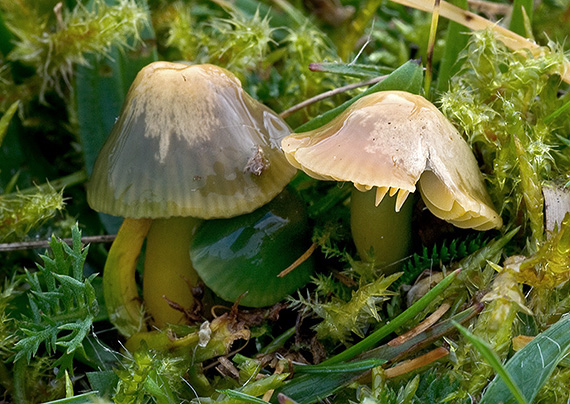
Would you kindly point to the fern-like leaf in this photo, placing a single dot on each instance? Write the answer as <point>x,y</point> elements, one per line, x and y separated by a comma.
<point>446,253</point>
<point>62,303</point>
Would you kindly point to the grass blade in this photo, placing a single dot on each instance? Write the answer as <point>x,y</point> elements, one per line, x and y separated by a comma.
<point>350,69</point>
<point>495,362</point>
<point>359,366</point>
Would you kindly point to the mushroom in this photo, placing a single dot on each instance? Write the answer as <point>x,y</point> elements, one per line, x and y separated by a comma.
<point>189,144</point>
<point>391,141</point>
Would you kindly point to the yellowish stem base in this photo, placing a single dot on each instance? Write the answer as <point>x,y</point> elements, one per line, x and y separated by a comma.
<point>168,271</point>
<point>381,234</point>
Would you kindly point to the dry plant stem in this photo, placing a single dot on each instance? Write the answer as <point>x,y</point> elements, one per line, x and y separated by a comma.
<point>473,21</point>
<point>424,325</point>
<point>329,93</point>
<point>298,261</point>
<point>489,8</point>
<point>30,245</point>
<point>268,394</point>
<point>416,363</point>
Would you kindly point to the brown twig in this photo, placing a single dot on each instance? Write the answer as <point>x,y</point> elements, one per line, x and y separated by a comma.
<point>329,93</point>
<point>298,261</point>
<point>31,245</point>
<point>416,363</point>
<point>424,325</point>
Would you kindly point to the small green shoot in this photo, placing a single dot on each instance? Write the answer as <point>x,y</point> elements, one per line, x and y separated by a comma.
<point>521,18</point>
<point>6,118</point>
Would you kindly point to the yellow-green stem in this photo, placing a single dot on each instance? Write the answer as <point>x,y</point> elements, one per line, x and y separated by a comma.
<point>168,272</point>
<point>379,232</point>
<point>119,286</point>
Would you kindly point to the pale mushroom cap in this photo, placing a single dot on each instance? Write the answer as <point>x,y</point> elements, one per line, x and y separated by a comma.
<point>189,142</point>
<point>391,140</point>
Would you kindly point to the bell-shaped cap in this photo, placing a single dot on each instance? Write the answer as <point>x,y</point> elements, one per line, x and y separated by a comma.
<point>392,140</point>
<point>189,142</point>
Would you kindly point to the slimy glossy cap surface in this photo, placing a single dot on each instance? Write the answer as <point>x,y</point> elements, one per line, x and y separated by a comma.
<point>394,140</point>
<point>189,142</point>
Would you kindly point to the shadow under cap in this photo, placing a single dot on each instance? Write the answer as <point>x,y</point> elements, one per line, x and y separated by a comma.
<point>393,140</point>
<point>189,142</point>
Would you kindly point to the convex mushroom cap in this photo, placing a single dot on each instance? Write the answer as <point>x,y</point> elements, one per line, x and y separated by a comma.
<point>189,142</point>
<point>394,140</point>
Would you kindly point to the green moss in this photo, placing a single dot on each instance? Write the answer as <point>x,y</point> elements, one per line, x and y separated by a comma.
<point>52,40</point>
<point>501,100</point>
<point>21,212</point>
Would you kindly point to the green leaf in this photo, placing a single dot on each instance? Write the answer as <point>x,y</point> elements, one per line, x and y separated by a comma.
<point>492,358</point>
<point>559,111</point>
<point>103,382</point>
<point>407,77</point>
<point>531,367</point>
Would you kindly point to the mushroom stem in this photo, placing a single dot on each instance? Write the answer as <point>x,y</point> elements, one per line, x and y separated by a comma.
<point>168,271</point>
<point>380,234</point>
<point>119,285</point>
